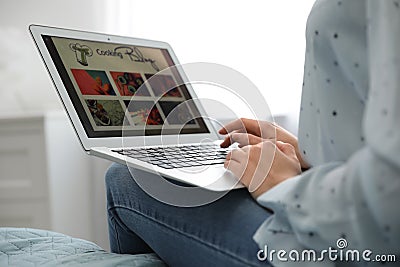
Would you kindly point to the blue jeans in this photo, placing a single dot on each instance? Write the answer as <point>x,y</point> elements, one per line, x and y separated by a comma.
<point>216,234</point>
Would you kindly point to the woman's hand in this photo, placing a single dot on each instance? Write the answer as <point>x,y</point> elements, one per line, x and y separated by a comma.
<point>264,165</point>
<point>251,132</point>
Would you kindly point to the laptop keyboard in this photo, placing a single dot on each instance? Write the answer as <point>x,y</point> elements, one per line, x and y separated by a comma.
<point>181,156</point>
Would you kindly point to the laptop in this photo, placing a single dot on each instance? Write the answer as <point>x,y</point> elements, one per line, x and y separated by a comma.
<point>130,102</point>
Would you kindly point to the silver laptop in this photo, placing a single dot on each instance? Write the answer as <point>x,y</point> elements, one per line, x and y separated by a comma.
<point>129,104</point>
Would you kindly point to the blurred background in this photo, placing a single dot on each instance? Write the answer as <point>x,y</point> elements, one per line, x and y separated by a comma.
<point>46,180</point>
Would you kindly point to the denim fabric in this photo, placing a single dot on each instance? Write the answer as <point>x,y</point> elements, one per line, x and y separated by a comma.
<point>216,234</point>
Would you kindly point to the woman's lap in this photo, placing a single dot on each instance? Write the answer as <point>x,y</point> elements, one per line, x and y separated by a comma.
<point>216,234</point>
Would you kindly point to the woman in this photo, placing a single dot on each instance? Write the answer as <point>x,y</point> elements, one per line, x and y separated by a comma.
<point>341,182</point>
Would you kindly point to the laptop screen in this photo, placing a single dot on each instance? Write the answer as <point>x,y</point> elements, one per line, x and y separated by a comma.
<point>113,88</point>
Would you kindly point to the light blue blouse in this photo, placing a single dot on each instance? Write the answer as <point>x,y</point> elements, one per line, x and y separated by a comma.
<point>349,133</point>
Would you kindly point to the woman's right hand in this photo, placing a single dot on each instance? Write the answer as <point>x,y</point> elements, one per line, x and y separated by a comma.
<point>251,132</point>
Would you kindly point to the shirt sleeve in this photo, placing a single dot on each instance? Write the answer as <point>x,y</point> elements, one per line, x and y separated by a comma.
<point>358,199</point>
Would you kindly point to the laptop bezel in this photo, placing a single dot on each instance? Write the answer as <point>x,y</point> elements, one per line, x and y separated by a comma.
<point>37,32</point>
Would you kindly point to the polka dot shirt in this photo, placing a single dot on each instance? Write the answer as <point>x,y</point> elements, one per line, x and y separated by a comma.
<point>349,133</point>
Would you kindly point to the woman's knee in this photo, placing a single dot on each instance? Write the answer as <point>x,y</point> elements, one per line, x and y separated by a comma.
<point>115,174</point>
<point>119,184</point>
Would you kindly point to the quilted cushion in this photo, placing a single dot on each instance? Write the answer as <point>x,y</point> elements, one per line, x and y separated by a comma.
<point>32,247</point>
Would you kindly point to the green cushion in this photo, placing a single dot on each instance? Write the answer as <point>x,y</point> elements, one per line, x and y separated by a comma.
<point>32,247</point>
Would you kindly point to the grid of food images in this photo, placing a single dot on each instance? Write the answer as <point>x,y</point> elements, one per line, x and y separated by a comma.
<point>126,87</point>
<point>108,94</point>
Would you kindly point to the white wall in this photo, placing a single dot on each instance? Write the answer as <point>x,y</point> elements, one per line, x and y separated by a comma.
<point>263,39</point>
<point>24,83</point>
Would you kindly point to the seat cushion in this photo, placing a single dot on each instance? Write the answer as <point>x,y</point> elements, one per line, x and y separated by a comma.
<point>32,247</point>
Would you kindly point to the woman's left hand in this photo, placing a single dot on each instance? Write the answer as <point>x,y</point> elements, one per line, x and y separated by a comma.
<point>262,166</point>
